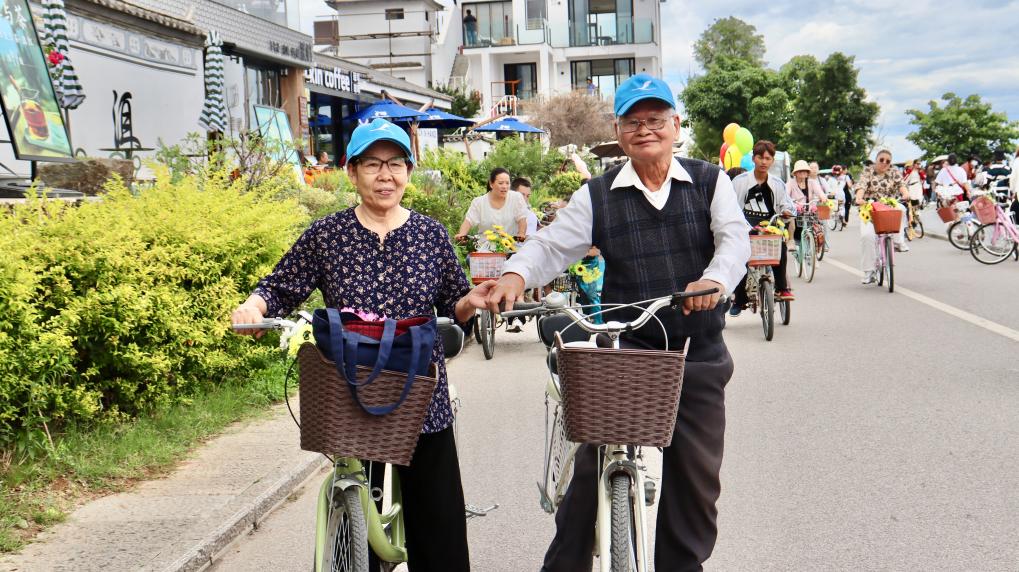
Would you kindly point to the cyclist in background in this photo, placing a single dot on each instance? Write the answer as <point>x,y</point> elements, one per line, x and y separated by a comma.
<point>842,185</point>
<point>523,185</point>
<point>687,209</point>
<point>762,196</point>
<point>877,181</point>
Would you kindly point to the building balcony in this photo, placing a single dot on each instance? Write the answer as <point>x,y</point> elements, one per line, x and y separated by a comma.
<point>619,31</point>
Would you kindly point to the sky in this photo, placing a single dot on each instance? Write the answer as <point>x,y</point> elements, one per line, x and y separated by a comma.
<point>907,52</point>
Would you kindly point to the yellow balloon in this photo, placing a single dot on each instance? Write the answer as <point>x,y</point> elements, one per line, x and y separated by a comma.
<point>733,156</point>
<point>729,134</point>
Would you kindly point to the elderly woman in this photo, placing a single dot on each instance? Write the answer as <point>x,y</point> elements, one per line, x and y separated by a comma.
<point>382,258</point>
<point>877,181</point>
<point>498,207</point>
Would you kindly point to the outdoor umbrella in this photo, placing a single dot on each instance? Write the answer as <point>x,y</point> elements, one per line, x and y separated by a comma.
<point>65,79</point>
<point>509,125</point>
<point>386,109</point>
<point>435,117</point>
<point>214,111</point>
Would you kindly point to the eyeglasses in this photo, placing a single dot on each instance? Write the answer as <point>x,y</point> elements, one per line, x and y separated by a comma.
<point>372,165</point>
<point>884,161</point>
<point>652,123</point>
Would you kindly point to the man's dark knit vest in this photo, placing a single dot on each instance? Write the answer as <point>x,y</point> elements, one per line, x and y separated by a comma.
<point>650,253</point>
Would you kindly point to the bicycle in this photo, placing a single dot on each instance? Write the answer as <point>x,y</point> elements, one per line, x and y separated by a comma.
<point>358,511</point>
<point>765,252</point>
<point>624,490</point>
<point>994,242</point>
<point>485,266</point>
<point>812,245</point>
<point>884,265</point>
<point>914,226</point>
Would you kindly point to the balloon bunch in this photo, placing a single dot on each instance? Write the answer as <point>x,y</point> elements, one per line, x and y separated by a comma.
<point>737,148</point>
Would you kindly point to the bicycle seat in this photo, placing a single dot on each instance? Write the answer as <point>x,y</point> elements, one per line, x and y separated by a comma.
<point>549,325</point>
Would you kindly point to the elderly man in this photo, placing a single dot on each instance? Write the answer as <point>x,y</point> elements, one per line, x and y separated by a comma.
<point>663,225</point>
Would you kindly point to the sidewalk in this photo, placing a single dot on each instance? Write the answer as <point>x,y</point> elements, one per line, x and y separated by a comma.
<point>932,224</point>
<point>183,521</point>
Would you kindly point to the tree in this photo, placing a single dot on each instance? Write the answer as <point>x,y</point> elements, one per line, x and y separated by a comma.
<point>963,126</point>
<point>734,90</point>
<point>831,120</point>
<point>729,37</point>
<point>464,104</point>
<point>573,118</point>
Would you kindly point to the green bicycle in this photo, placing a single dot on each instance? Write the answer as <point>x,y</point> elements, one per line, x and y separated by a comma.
<point>359,511</point>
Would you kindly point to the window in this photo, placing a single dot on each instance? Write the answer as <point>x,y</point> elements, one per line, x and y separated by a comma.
<point>606,75</point>
<point>394,13</point>
<point>600,22</point>
<point>535,14</point>
<point>488,24</point>
<point>261,87</point>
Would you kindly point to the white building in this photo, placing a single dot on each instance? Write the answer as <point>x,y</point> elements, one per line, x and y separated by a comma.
<point>525,49</point>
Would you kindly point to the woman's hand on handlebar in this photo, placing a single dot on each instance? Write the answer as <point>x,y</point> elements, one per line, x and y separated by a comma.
<point>478,296</point>
<point>247,314</point>
<point>700,303</point>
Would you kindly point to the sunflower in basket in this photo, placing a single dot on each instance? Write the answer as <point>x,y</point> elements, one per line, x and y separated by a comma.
<point>764,227</point>
<point>865,209</point>
<point>500,240</point>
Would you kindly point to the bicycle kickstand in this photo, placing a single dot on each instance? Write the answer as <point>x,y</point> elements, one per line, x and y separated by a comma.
<point>474,511</point>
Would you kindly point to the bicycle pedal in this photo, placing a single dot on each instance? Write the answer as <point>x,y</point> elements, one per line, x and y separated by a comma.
<point>473,511</point>
<point>650,489</point>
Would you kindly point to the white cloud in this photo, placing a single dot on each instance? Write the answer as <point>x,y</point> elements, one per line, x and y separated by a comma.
<point>907,53</point>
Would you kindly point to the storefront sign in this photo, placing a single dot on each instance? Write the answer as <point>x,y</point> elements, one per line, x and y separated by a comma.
<point>130,43</point>
<point>338,79</point>
<point>302,51</point>
<point>26,93</point>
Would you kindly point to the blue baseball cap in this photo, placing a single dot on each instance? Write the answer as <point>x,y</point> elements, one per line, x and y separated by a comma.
<point>638,88</point>
<point>378,130</point>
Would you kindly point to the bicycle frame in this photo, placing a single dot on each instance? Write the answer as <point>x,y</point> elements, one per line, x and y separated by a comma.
<point>1003,223</point>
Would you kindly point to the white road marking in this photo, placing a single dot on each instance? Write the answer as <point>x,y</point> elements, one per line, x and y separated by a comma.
<point>950,310</point>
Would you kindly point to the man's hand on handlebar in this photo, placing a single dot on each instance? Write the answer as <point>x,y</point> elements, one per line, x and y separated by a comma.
<point>700,303</point>
<point>505,292</point>
<point>247,314</point>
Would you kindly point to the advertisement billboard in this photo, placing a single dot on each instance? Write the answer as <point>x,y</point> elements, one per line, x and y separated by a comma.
<point>27,99</point>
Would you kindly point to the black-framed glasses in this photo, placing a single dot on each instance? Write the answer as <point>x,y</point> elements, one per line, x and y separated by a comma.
<point>884,161</point>
<point>652,123</point>
<point>372,165</point>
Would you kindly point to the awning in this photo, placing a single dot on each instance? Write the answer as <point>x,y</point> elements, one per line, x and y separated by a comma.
<point>65,79</point>
<point>214,111</point>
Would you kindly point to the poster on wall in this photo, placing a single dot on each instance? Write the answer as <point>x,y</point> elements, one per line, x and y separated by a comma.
<point>27,99</point>
<point>274,127</point>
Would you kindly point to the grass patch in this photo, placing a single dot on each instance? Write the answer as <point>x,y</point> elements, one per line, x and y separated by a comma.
<point>87,462</point>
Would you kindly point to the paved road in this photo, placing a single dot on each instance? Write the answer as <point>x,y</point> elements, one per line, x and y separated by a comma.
<point>876,432</point>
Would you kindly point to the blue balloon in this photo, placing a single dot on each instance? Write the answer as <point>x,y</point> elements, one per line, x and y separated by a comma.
<point>748,161</point>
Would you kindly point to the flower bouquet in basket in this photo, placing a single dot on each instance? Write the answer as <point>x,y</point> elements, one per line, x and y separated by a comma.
<point>884,213</point>
<point>488,265</point>
<point>766,243</point>
<point>825,208</point>
<point>499,240</point>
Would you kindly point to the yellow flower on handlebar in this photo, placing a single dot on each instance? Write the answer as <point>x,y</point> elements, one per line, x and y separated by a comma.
<point>301,336</point>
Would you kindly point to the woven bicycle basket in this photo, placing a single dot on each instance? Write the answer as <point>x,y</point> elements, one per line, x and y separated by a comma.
<point>334,424</point>
<point>622,397</point>
<point>886,222</point>
<point>486,266</point>
<point>823,212</point>
<point>765,249</point>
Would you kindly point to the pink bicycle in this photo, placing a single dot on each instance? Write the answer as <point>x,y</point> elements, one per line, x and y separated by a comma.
<point>996,241</point>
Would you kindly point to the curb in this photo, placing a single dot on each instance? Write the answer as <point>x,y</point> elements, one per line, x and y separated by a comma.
<point>204,552</point>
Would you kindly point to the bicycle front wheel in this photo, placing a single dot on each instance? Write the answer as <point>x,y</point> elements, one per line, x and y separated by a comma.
<point>809,256</point>
<point>991,245</point>
<point>889,265</point>
<point>487,327</point>
<point>833,222</point>
<point>917,227</point>
<point>346,548</point>
<point>624,530</point>
<point>785,309</point>
<point>766,297</point>
<point>959,234</point>
<point>821,244</point>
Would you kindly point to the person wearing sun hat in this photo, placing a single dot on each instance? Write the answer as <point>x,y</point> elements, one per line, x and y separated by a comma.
<point>383,259</point>
<point>663,225</point>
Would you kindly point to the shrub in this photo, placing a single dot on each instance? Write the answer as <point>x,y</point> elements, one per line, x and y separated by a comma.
<point>563,185</point>
<point>523,159</point>
<point>118,307</point>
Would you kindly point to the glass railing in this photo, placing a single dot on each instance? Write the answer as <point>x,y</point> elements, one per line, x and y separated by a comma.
<point>534,32</point>
<point>616,31</point>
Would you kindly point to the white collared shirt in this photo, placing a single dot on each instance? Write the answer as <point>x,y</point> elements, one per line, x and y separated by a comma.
<point>546,254</point>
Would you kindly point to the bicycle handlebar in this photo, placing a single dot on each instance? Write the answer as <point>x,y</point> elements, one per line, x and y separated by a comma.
<point>556,303</point>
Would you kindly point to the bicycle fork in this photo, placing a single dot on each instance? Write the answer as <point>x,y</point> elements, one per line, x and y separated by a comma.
<point>616,461</point>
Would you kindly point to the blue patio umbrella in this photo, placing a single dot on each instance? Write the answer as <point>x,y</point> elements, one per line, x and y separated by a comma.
<point>386,109</point>
<point>509,125</point>
<point>435,117</point>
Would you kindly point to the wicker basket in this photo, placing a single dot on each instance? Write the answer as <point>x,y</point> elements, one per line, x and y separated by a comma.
<point>886,221</point>
<point>823,212</point>
<point>334,424</point>
<point>984,208</point>
<point>486,266</point>
<point>948,214</point>
<point>623,397</point>
<point>765,249</point>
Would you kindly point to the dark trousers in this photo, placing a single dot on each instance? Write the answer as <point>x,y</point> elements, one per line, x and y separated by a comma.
<point>686,528</point>
<point>433,506</point>
<point>781,282</point>
<point>849,203</point>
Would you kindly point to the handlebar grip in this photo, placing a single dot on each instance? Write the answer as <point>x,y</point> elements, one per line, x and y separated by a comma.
<point>267,325</point>
<point>681,295</point>
<point>527,305</point>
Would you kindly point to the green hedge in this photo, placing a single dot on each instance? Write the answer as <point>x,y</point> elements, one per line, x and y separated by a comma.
<point>122,306</point>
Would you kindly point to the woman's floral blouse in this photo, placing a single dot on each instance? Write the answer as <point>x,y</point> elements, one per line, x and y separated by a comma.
<point>414,272</point>
<point>876,186</point>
